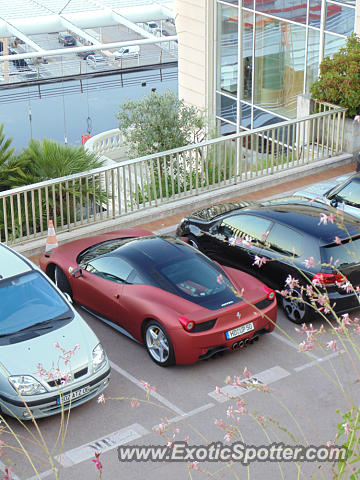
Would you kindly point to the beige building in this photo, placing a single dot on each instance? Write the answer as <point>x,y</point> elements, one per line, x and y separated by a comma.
<point>245,61</point>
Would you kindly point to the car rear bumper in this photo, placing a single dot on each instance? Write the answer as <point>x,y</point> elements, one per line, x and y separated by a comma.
<point>50,404</point>
<point>191,347</point>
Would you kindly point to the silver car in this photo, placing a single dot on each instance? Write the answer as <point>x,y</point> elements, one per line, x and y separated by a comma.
<point>342,192</point>
<point>50,359</point>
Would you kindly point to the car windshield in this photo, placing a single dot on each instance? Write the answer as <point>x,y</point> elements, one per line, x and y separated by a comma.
<point>200,282</point>
<point>27,300</point>
<point>350,194</point>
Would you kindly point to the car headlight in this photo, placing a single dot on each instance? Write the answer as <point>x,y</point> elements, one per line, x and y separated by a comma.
<point>98,357</point>
<point>26,385</point>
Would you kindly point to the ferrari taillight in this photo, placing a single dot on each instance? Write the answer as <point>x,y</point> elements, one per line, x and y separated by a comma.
<point>326,279</point>
<point>187,324</point>
<point>270,293</point>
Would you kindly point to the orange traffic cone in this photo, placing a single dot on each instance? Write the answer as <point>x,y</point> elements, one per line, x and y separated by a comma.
<point>51,241</point>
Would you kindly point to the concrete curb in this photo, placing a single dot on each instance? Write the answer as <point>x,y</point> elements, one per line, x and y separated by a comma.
<point>175,207</point>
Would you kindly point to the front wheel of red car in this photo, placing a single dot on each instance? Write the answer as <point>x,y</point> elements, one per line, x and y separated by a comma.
<point>61,281</point>
<point>158,344</point>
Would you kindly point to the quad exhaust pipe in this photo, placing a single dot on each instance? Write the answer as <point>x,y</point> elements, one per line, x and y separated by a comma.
<point>244,343</point>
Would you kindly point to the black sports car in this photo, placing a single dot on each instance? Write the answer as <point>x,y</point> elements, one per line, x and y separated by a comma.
<point>288,243</point>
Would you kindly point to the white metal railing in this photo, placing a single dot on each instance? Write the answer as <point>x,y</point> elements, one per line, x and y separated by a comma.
<point>112,191</point>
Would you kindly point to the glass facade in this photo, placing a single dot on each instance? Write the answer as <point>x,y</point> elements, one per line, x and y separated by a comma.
<point>268,52</point>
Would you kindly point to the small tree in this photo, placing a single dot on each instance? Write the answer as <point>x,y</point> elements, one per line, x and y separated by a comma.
<point>339,81</point>
<point>158,122</point>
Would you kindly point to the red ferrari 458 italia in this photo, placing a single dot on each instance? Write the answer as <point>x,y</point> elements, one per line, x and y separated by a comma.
<point>163,293</point>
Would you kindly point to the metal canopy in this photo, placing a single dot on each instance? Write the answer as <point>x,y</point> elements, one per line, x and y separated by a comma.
<point>21,18</point>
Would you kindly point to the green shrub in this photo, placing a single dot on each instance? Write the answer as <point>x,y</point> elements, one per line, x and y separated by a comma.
<point>339,81</point>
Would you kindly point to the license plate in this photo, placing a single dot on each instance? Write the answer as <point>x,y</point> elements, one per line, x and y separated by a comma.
<point>236,332</point>
<point>73,395</point>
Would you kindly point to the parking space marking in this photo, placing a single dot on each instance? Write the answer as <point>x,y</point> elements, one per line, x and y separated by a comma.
<point>318,360</point>
<point>42,475</point>
<point>266,377</point>
<point>192,412</point>
<point>153,393</point>
<point>109,442</point>
<point>291,344</point>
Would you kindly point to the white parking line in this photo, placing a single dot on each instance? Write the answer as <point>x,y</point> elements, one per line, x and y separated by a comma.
<point>291,344</point>
<point>266,377</point>
<point>318,360</point>
<point>154,394</point>
<point>42,475</point>
<point>109,442</point>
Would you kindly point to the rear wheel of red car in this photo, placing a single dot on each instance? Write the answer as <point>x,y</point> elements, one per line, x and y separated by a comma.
<point>61,281</point>
<point>158,344</point>
<point>295,308</point>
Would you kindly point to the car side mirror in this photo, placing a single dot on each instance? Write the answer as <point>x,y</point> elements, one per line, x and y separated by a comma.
<point>333,202</point>
<point>77,273</point>
<point>214,230</point>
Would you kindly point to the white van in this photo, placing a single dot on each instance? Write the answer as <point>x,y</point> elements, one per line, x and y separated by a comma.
<point>123,52</point>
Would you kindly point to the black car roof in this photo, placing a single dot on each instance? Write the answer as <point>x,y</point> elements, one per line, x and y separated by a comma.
<point>152,250</point>
<point>214,211</point>
<point>301,215</point>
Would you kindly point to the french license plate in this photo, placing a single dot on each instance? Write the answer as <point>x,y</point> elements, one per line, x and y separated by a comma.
<point>236,332</point>
<point>73,395</point>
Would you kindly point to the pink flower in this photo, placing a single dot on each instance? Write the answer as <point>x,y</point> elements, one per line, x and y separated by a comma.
<point>259,261</point>
<point>101,398</point>
<point>291,282</point>
<point>220,424</point>
<point>56,345</point>
<point>332,345</point>
<point>337,240</point>
<point>186,439</point>
<point>97,462</point>
<point>347,428</point>
<point>309,262</point>
<point>326,218</point>
<point>346,320</point>
<point>230,411</point>
<point>8,473</point>
<point>246,373</point>
<point>134,403</point>
<point>195,466</point>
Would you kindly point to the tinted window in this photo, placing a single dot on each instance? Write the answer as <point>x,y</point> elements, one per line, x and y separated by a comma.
<point>110,268</point>
<point>240,226</point>
<point>197,280</point>
<point>350,193</point>
<point>285,240</point>
<point>27,300</point>
<point>100,249</point>
<point>345,255</point>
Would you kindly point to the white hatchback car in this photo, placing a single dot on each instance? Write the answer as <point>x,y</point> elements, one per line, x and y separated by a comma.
<point>50,359</point>
<point>96,60</point>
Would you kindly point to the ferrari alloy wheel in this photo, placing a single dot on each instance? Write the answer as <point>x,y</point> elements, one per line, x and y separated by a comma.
<point>61,281</point>
<point>296,310</point>
<point>158,344</point>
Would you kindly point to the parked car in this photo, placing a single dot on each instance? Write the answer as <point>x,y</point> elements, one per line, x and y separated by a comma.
<point>96,60</point>
<point>66,39</point>
<point>34,315</point>
<point>152,25</point>
<point>342,192</point>
<point>84,55</point>
<point>290,234</point>
<point>131,51</point>
<point>163,293</point>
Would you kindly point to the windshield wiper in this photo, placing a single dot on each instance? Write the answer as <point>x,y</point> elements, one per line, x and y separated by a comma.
<point>44,325</point>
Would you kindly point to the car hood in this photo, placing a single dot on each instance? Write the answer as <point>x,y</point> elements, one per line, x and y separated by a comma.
<point>23,358</point>
<point>319,189</point>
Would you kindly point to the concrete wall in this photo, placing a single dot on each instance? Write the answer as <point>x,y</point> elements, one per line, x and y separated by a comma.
<point>195,52</point>
<point>357,18</point>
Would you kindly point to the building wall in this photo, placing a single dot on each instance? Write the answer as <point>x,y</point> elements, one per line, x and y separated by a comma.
<point>192,18</point>
<point>245,61</point>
